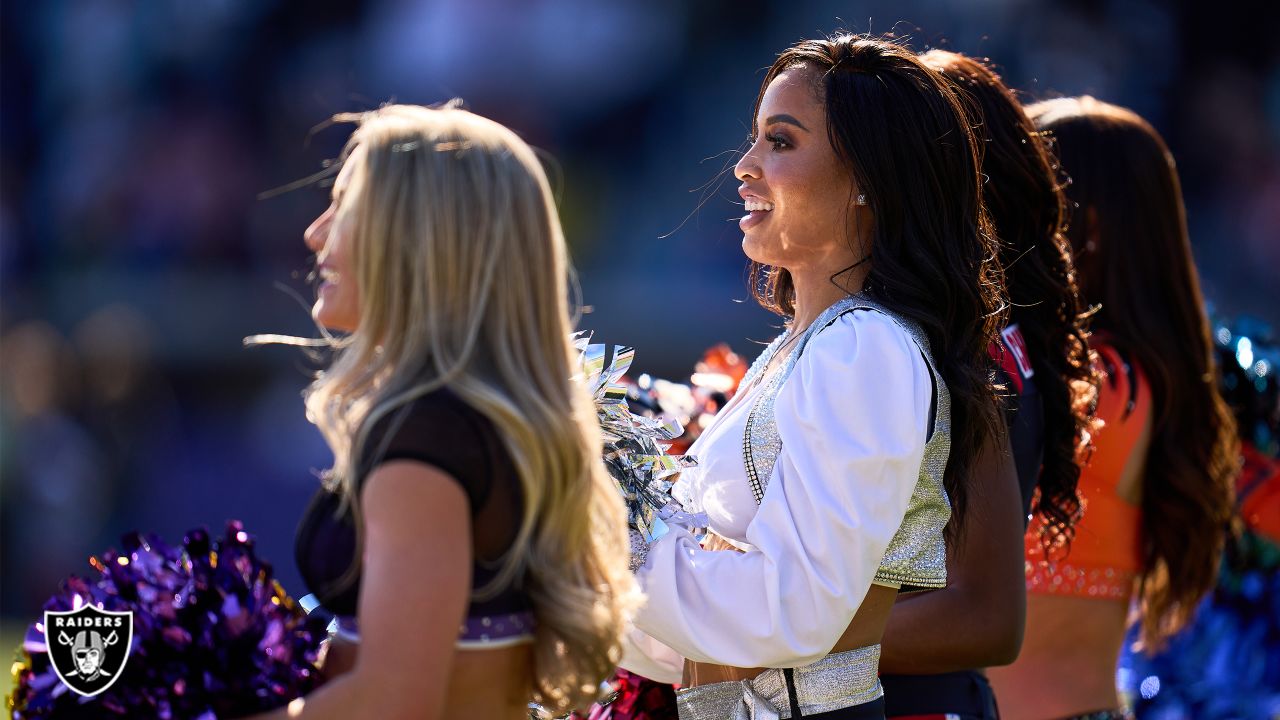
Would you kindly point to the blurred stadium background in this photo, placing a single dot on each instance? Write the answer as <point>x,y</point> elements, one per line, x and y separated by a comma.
<point>136,252</point>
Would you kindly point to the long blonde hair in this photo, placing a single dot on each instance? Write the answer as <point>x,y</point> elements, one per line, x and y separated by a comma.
<point>463,281</point>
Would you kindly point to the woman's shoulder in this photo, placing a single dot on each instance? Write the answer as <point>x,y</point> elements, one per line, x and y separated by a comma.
<point>861,375</point>
<point>863,334</point>
<point>1123,390</point>
<point>439,411</point>
<point>864,353</point>
<point>441,429</point>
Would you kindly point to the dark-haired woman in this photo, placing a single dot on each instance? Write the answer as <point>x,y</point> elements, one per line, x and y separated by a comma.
<point>828,475</point>
<point>1157,489</point>
<point>930,658</point>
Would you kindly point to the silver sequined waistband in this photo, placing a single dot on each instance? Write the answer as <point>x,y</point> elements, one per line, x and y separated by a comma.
<point>839,680</point>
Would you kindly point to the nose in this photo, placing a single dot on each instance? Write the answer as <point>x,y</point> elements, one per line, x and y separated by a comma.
<point>317,234</point>
<point>747,166</point>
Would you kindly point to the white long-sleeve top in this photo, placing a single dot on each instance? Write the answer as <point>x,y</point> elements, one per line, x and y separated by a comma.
<point>853,417</point>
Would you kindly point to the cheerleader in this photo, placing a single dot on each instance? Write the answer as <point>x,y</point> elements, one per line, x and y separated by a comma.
<point>1157,491</point>
<point>1044,359</point>
<point>829,478</point>
<point>467,537</point>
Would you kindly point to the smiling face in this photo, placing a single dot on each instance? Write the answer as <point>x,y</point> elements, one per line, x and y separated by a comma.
<point>800,197</point>
<point>330,237</point>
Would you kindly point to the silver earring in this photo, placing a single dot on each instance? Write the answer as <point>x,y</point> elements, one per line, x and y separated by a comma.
<point>862,199</point>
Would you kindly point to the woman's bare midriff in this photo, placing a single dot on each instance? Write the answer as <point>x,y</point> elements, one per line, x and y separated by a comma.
<point>1067,665</point>
<point>492,683</point>
<point>866,628</point>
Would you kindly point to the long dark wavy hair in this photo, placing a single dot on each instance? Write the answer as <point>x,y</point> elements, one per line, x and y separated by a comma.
<point>1134,258</point>
<point>1024,197</point>
<point>905,136</point>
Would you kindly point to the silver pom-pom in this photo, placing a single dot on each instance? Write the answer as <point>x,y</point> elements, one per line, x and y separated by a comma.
<point>635,446</point>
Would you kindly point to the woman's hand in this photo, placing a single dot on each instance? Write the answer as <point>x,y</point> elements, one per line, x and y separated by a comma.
<point>716,542</point>
<point>337,657</point>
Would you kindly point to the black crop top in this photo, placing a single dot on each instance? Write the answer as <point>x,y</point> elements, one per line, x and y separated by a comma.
<point>441,430</point>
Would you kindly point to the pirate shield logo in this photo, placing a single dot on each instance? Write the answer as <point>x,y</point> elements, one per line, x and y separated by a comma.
<point>88,647</point>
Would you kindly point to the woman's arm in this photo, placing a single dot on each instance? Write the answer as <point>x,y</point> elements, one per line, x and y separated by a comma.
<point>853,418</point>
<point>414,589</point>
<point>977,620</point>
<point>649,658</point>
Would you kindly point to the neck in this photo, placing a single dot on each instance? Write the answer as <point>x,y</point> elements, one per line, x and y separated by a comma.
<point>815,292</point>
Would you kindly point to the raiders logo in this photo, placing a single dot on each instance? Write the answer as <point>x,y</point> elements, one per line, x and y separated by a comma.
<point>88,647</point>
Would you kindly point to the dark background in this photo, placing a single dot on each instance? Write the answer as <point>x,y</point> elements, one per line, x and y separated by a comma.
<point>135,252</point>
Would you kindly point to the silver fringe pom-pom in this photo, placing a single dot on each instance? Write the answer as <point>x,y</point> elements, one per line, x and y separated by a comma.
<point>635,446</point>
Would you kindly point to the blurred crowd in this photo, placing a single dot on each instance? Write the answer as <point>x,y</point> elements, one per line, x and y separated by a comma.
<point>140,240</point>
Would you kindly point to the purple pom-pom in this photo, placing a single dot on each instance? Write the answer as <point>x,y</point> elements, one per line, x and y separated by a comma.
<point>214,635</point>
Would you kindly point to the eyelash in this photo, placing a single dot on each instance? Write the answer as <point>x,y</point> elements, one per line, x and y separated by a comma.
<point>778,142</point>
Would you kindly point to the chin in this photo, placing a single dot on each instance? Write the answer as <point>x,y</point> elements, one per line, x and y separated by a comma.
<point>756,250</point>
<point>330,320</point>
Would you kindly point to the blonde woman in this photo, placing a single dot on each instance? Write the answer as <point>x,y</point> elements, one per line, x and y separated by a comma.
<point>467,536</point>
